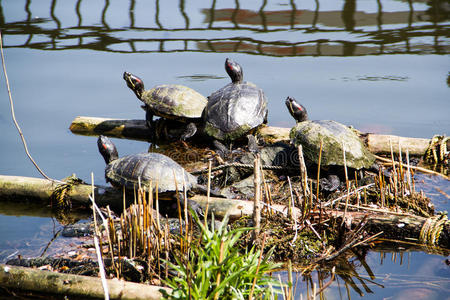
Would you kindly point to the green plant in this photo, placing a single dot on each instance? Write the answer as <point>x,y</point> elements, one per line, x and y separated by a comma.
<point>215,269</point>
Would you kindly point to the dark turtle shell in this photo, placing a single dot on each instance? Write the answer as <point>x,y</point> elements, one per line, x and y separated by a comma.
<point>150,168</point>
<point>174,101</point>
<point>335,138</point>
<point>234,110</point>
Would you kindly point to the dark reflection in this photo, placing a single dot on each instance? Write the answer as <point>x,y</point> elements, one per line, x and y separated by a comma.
<point>407,30</point>
<point>131,10</point>
<point>105,8</point>
<point>355,277</point>
<point>348,14</point>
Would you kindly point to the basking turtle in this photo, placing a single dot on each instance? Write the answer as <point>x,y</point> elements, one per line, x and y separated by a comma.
<point>148,168</point>
<point>335,136</point>
<point>170,101</point>
<point>236,109</point>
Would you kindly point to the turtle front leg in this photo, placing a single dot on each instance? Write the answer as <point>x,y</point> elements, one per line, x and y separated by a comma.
<point>252,144</point>
<point>190,204</point>
<point>189,132</point>
<point>150,123</point>
<point>221,149</point>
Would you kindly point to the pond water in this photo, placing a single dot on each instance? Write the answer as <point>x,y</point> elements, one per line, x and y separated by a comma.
<point>381,66</point>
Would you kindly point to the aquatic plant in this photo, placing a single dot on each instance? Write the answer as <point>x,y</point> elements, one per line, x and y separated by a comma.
<point>215,268</point>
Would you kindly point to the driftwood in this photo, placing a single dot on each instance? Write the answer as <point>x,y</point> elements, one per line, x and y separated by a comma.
<point>28,279</point>
<point>394,226</point>
<point>136,129</point>
<point>19,188</point>
<point>401,227</point>
<point>29,188</point>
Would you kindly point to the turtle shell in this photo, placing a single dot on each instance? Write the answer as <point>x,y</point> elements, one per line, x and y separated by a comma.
<point>174,101</point>
<point>150,168</point>
<point>234,110</point>
<point>335,137</point>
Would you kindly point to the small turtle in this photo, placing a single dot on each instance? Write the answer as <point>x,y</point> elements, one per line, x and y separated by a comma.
<point>148,168</point>
<point>335,138</point>
<point>236,109</point>
<point>170,101</point>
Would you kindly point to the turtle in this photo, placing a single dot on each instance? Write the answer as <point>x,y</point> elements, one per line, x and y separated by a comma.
<point>170,101</point>
<point>150,169</point>
<point>335,138</point>
<point>236,109</point>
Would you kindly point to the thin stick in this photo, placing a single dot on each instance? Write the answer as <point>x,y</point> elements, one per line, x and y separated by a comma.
<point>347,183</point>
<point>14,116</point>
<point>208,191</point>
<point>408,173</point>
<point>101,267</point>
<point>318,170</point>
<point>317,190</point>
<point>257,200</point>
<point>331,202</point>
<point>303,173</point>
<point>423,170</point>
<point>259,264</point>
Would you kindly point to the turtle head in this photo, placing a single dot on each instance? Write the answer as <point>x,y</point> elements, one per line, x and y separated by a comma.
<point>234,70</point>
<point>107,149</point>
<point>134,83</point>
<point>296,110</point>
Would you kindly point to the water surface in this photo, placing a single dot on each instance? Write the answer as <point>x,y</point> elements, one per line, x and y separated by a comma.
<point>381,66</point>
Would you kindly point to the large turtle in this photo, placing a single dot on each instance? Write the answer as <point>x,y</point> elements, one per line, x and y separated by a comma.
<point>147,168</point>
<point>236,109</point>
<point>170,101</point>
<point>335,138</point>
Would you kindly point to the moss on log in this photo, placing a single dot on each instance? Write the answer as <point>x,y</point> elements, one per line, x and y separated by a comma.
<point>137,130</point>
<point>28,279</point>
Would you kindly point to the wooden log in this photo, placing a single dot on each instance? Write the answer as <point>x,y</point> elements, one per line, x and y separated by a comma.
<point>29,188</point>
<point>131,129</point>
<point>234,208</point>
<point>394,226</point>
<point>381,144</point>
<point>136,129</point>
<point>35,280</point>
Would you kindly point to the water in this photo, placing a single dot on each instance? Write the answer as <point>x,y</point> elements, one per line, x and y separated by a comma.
<point>381,66</point>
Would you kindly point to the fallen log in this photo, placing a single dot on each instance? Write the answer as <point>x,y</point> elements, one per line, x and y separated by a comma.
<point>397,226</point>
<point>28,188</point>
<point>35,280</point>
<point>136,129</point>
<point>402,227</point>
<point>19,188</point>
<point>394,225</point>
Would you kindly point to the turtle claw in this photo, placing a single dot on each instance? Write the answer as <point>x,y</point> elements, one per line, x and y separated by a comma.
<point>252,144</point>
<point>221,149</point>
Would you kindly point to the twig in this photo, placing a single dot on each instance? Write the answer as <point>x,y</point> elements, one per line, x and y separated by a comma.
<point>257,200</point>
<point>333,272</point>
<point>208,192</point>
<point>331,202</point>
<point>291,210</point>
<point>423,170</point>
<point>101,267</point>
<point>14,116</point>
<point>347,184</point>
